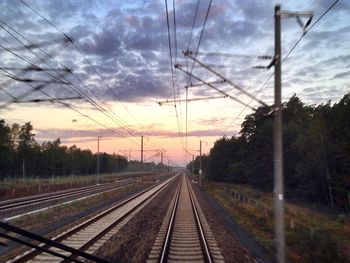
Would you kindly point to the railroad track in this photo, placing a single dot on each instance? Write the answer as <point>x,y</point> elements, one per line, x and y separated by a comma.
<point>185,235</point>
<point>39,199</point>
<point>93,233</point>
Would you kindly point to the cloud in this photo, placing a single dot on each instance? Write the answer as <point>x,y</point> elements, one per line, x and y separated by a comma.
<point>128,43</point>
<point>211,122</point>
<point>341,75</point>
<point>86,135</point>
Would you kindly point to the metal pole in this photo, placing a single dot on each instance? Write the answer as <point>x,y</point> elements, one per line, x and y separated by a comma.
<point>278,148</point>
<point>186,119</point>
<point>200,163</point>
<point>192,163</point>
<point>98,159</point>
<point>141,152</point>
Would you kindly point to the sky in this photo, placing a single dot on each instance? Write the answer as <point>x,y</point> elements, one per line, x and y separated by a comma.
<point>119,64</point>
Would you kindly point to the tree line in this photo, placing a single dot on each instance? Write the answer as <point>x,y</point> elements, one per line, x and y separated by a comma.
<point>316,149</point>
<point>22,156</point>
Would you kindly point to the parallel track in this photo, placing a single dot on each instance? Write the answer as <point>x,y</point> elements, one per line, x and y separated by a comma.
<point>185,235</point>
<point>34,200</point>
<point>93,233</point>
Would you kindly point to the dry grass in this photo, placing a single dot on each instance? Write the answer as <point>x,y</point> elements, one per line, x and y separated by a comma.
<point>40,219</point>
<point>20,187</point>
<point>316,237</point>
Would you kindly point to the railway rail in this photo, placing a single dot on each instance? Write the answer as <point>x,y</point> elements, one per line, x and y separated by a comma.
<point>93,233</point>
<point>185,235</point>
<point>33,200</point>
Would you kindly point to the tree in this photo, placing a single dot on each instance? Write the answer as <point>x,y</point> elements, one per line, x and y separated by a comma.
<point>258,153</point>
<point>26,142</point>
<point>6,150</point>
<point>316,148</point>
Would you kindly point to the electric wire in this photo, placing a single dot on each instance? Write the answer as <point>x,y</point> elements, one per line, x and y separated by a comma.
<point>74,109</point>
<point>33,45</point>
<point>284,59</point>
<point>200,38</point>
<point>198,45</point>
<point>188,47</point>
<point>172,71</point>
<point>69,84</point>
<point>83,55</point>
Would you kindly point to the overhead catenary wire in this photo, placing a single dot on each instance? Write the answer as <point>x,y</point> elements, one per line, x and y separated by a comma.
<point>200,38</point>
<point>188,77</point>
<point>191,34</point>
<point>172,71</point>
<point>213,87</point>
<point>68,84</point>
<point>66,69</point>
<point>176,61</point>
<point>188,53</point>
<point>283,60</point>
<point>85,58</point>
<point>232,55</point>
<point>197,48</point>
<point>114,118</point>
<point>74,109</point>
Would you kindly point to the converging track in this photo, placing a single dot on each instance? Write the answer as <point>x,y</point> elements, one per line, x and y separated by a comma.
<point>15,208</point>
<point>93,233</point>
<point>21,202</point>
<point>185,235</point>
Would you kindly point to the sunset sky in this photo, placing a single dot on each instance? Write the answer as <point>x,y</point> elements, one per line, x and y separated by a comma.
<point>120,61</point>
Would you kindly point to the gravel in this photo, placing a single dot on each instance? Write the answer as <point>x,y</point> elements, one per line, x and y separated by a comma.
<point>135,240</point>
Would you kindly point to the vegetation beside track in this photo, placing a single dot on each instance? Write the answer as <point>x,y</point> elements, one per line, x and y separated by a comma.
<point>311,236</point>
<point>20,187</point>
<point>59,219</point>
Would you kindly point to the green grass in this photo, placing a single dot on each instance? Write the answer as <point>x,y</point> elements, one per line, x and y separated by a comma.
<point>20,187</point>
<point>316,237</point>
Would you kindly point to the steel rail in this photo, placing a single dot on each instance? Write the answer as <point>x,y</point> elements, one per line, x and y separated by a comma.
<point>33,253</point>
<point>199,226</point>
<point>172,219</point>
<point>40,199</point>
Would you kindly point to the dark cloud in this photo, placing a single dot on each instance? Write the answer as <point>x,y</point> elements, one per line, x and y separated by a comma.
<point>104,43</point>
<point>127,43</point>
<point>342,75</point>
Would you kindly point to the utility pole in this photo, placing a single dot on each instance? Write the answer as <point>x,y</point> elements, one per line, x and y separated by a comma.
<point>277,132</point>
<point>141,152</point>
<point>192,163</point>
<point>200,163</point>
<point>277,146</point>
<point>98,159</point>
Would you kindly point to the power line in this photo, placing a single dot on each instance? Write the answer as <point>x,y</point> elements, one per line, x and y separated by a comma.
<point>74,109</point>
<point>38,88</point>
<point>176,60</point>
<point>172,70</point>
<point>200,38</point>
<point>115,119</point>
<point>188,53</point>
<point>87,60</point>
<point>233,55</point>
<point>290,51</point>
<point>213,87</point>
<point>198,45</point>
<point>83,55</point>
<point>193,24</point>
